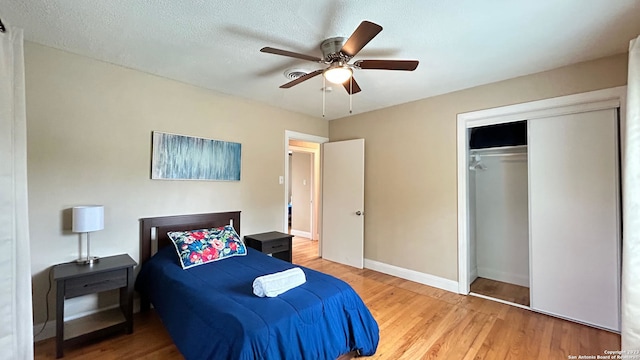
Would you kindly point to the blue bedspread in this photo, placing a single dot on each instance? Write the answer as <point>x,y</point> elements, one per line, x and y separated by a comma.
<point>211,312</point>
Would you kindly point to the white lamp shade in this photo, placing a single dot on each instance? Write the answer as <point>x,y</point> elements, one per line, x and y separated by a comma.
<point>88,218</point>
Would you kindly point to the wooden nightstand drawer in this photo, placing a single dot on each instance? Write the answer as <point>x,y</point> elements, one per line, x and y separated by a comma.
<point>275,246</point>
<point>95,283</point>
<point>275,243</point>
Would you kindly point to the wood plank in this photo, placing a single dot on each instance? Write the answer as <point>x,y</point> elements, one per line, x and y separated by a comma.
<point>416,322</point>
<point>501,290</point>
<point>93,322</point>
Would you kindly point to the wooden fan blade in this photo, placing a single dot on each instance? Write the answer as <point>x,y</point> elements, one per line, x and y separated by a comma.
<point>351,86</point>
<point>361,37</point>
<point>407,65</point>
<point>292,54</point>
<point>301,79</point>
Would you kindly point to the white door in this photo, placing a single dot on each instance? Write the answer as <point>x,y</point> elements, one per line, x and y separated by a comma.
<point>574,217</point>
<point>343,202</point>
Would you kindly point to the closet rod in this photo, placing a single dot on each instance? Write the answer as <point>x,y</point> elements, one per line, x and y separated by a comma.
<point>502,154</point>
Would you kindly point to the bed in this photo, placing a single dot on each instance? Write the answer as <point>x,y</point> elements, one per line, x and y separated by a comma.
<point>211,313</point>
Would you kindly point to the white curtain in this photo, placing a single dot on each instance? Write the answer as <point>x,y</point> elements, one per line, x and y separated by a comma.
<point>631,208</point>
<point>16,326</point>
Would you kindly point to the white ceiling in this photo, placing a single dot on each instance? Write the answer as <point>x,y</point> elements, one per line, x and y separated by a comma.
<point>215,44</point>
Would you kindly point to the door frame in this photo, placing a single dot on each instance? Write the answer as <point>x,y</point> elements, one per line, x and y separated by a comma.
<point>589,101</point>
<point>294,135</point>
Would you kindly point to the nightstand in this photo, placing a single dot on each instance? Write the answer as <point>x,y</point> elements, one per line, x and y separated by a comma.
<point>109,273</point>
<point>275,243</point>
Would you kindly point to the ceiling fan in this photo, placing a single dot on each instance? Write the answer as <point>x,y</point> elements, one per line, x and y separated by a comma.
<point>337,53</point>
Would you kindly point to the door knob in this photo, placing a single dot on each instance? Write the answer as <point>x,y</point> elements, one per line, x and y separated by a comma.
<point>359,213</point>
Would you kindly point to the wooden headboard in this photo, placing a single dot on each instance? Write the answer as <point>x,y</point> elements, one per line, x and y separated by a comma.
<point>164,224</point>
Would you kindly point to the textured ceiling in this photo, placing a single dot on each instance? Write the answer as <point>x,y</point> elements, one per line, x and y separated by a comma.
<point>215,44</point>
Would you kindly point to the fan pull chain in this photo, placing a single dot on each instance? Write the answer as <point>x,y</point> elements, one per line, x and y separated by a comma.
<point>351,95</point>
<point>324,90</point>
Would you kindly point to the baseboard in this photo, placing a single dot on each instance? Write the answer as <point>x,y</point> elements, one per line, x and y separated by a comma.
<point>49,330</point>
<point>473,275</point>
<point>304,234</point>
<point>497,275</point>
<point>416,276</point>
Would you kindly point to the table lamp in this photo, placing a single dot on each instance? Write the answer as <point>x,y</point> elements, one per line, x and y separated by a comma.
<point>87,218</point>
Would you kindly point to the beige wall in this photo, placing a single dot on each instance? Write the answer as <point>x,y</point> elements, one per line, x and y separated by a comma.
<point>89,142</point>
<point>410,161</point>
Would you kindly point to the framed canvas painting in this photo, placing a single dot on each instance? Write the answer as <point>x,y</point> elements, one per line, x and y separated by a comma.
<point>181,157</point>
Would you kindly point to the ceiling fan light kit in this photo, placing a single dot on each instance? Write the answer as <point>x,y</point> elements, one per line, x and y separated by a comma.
<point>337,53</point>
<point>338,74</point>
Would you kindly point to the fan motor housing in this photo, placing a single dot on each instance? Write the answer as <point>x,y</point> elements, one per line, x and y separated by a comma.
<point>331,48</point>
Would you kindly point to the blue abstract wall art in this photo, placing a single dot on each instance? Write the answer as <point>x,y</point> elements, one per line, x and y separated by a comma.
<point>180,157</point>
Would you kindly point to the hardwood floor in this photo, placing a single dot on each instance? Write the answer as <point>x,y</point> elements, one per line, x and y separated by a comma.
<point>501,290</point>
<point>416,322</point>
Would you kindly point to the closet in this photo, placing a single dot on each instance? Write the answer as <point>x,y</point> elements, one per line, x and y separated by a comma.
<point>543,212</point>
<point>499,195</point>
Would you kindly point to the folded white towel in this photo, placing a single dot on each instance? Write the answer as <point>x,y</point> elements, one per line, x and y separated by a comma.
<point>275,284</point>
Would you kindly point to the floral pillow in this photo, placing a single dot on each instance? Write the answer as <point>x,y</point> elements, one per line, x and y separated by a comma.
<point>197,247</point>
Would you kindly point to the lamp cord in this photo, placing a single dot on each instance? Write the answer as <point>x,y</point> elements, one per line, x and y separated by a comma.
<point>46,299</point>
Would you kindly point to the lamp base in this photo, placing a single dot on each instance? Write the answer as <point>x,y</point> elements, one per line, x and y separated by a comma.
<point>88,260</point>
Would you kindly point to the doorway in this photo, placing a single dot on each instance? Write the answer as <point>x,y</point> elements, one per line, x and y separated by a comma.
<point>302,189</point>
<point>306,150</point>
